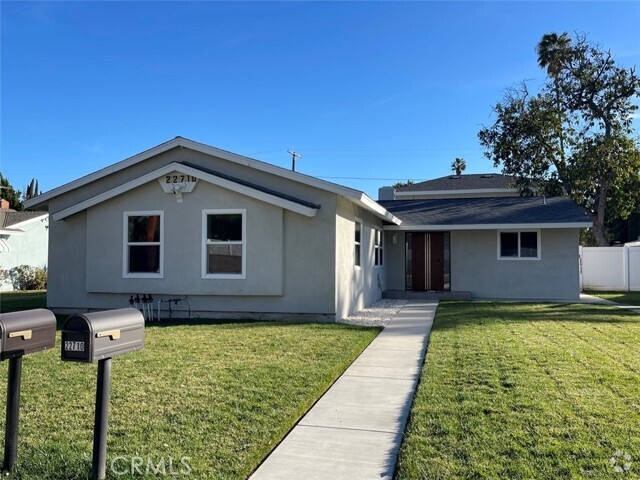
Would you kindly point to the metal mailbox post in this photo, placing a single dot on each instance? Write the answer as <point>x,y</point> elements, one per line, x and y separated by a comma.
<point>98,336</point>
<point>21,333</point>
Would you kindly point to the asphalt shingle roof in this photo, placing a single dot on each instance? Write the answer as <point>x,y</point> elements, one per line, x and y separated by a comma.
<point>254,186</point>
<point>487,211</point>
<point>462,182</point>
<point>11,217</point>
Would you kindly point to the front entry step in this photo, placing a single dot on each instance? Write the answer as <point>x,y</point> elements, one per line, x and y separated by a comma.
<point>416,295</point>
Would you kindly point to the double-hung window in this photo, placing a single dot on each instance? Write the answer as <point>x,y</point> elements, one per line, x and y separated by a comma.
<point>357,252</point>
<point>224,244</point>
<point>143,244</point>
<point>519,245</point>
<point>378,247</point>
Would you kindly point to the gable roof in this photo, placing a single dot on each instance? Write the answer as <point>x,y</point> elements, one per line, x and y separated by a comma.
<point>269,196</point>
<point>479,181</point>
<point>487,213</point>
<point>356,196</point>
<point>9,218</point>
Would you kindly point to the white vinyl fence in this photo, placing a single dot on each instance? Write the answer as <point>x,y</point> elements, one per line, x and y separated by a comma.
<point>610,268</point>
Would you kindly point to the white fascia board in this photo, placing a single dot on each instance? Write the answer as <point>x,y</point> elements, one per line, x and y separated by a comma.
<point>151,176</point>
<point>378,210</point>
<point>206,149</point>
<point>10,231</point>
<point>41,217</point>
<point>116,167</point>
<point>494,226</point>
<point>454,193</point>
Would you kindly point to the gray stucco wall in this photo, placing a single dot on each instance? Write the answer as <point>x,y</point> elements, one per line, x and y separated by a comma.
<point>356,287</point>
<point>395,260</point>
<point>475,267</point>
<point>290,257</point>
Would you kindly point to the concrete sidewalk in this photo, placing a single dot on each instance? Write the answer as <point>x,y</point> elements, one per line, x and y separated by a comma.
<point>585,298</point>
<point>355,429</point>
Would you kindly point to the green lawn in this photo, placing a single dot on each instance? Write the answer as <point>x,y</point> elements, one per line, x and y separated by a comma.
<point>222,394</point>
<point>627,298</point>
<point>526,391</point>
<point>14,301</point>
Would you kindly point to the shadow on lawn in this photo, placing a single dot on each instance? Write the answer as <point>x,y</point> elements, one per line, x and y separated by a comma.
<point>250,323</point>
<point>459,314</point>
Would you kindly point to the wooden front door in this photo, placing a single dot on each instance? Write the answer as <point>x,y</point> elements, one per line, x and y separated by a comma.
<point>427,262</point>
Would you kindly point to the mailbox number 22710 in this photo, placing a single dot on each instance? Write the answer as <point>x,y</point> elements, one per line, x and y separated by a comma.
<point>179,178</point>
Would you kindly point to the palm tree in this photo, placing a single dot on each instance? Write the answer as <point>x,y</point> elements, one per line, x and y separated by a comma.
<point>554,52</point>
<point>458,165</point>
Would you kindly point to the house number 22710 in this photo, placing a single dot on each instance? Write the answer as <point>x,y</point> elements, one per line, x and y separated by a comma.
<point>179,178</point>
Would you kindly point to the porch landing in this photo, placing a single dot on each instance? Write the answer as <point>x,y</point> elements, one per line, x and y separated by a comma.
<point>429,295</point>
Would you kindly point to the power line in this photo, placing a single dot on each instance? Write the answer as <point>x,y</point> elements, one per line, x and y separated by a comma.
<point>403,179</point>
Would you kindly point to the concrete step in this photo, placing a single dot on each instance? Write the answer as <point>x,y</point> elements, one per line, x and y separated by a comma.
<point>430,295</point>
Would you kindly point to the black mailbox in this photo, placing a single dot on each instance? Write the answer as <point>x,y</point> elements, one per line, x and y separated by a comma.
<point>26,332</point>
<point>95,336</point>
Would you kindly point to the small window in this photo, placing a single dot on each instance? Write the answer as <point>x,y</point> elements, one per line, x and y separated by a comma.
<point>378,248</point>
<point>224,246</point>
<point>143,246</point>
<point>358,244</point>
<point>519,245</point>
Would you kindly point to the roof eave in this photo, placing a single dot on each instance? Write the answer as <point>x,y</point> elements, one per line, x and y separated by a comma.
<point>152,176</point>
<point>488,226</point>
<point>225,155</point>
<point>24,222</point>
<point>453,193</point>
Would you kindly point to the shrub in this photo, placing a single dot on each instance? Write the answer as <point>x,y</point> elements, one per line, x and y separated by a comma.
<point>26,277</point>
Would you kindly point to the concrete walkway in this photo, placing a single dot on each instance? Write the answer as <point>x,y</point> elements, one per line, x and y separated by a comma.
<point>585,298</point>
<point>354,431</point>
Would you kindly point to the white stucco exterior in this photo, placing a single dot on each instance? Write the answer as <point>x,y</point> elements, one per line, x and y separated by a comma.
<point>28,247</point>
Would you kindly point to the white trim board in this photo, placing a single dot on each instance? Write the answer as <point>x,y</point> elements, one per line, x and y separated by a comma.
<point>24,222</point>
<point>355,196</point>
<point>455,193</point>
<point>152,176</point>
<point>494,226</point>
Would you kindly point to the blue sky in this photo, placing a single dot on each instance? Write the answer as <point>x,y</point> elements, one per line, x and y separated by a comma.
<point>382,90</point>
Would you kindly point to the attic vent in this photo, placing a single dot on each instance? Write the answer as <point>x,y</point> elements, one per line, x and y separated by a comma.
<point>455,177</point>
<point>486,176</point>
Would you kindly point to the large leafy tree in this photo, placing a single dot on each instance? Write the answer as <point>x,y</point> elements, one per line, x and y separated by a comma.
<point>7,192</point>
<point>575,135</point>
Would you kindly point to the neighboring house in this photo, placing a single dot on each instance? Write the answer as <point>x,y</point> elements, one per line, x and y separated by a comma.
<point>246,239</point>
<point>457,186</point>
<point>23,240</point>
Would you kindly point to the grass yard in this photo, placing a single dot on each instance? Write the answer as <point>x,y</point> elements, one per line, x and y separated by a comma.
<point>526,391</point>
<point>15,301</point>
<point>627,298</point>
<point>222,394</point>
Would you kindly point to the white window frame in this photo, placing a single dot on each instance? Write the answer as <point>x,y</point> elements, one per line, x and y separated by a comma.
<point>126,244</point>
<point>378,248</point>
<point>361,243</point>
<point>206,241</point>
<point>519,258</point>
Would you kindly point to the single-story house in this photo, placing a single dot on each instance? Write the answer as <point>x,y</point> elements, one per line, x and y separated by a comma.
<point>23,240</point>
<point>245,239</point>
